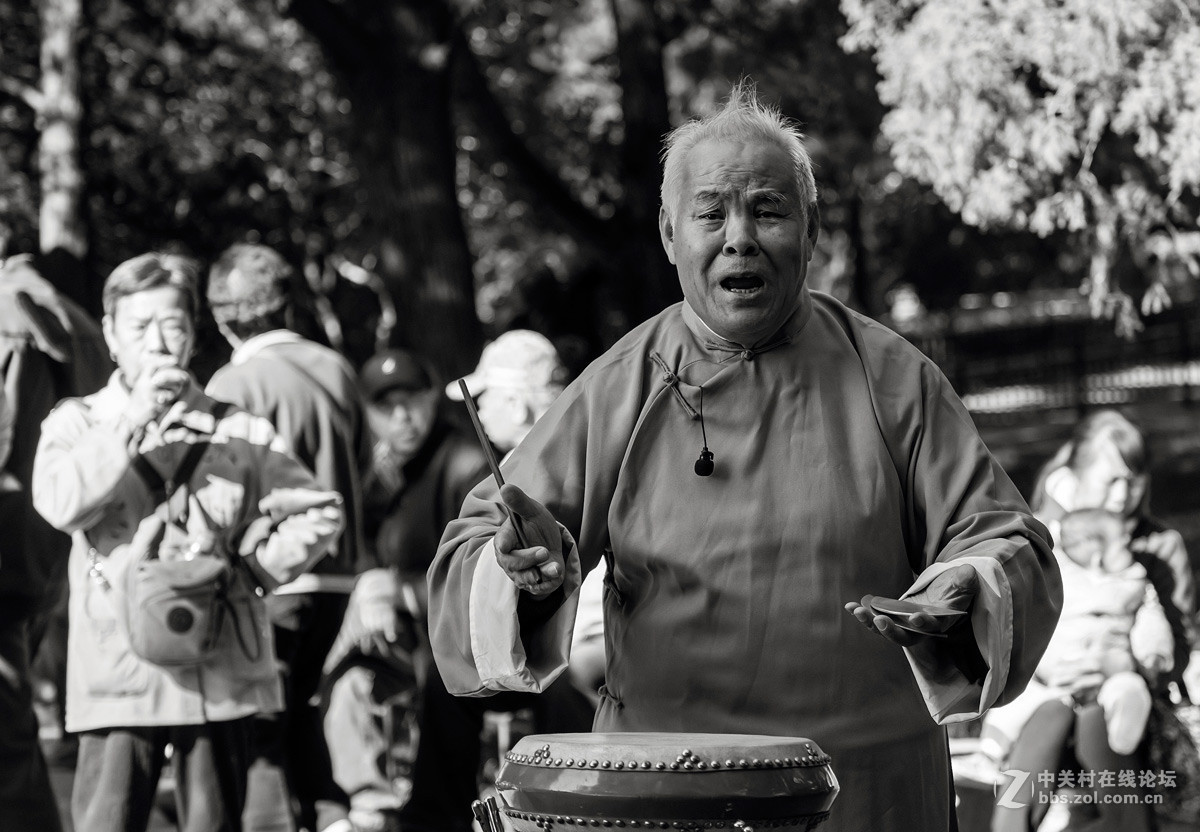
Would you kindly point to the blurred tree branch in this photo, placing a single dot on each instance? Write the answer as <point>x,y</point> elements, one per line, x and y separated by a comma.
<point>61,224</point>
<point>25,93</point>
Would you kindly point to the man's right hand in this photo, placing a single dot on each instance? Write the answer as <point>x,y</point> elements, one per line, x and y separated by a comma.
<point>540,568</point>
<point>155,390</point>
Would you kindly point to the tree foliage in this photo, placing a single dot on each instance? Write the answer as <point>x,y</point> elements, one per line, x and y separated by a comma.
<point>553,70</point>
<point>487,162</point>
<point>211,122</point>
<point>540,179</point>
<point>1068,116</point>
<point>19,72</point>
<point>207,123</point>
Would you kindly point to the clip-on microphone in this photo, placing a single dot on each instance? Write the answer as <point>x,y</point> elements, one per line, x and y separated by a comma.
<point>704,465</point>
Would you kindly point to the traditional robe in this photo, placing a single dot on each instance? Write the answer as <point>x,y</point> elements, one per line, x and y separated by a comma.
<point>845,465</point>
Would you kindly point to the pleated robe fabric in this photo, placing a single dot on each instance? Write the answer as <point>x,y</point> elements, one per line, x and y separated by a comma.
<point>844,465</point>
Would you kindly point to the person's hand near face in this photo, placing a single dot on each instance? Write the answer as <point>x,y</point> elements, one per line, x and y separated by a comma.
<point>156,390</point>
<point>151,335</point>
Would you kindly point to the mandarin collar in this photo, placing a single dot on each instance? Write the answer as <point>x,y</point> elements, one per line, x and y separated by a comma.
<point>785,334</point>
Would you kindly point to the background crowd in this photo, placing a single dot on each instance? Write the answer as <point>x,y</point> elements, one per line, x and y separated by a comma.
<point>348,636</point>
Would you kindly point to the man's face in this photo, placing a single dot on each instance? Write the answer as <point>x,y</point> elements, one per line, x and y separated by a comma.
<point>404,418</point>
<point>740,238</point>
<point>506,416</point>
<point>149,330</point>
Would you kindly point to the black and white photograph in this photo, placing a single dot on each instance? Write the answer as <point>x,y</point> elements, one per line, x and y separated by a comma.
<point>564,415</point>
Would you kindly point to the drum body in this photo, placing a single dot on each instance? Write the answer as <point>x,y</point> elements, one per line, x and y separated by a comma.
<point>665,781</point>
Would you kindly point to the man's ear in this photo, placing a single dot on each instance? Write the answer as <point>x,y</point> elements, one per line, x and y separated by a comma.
<point>666,229</point>
<point>814,227</point>
<point>110,337</point>
<point>528,413</point>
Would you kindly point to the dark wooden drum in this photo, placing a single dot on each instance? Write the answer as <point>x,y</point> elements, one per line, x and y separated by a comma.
<point>665,781</point>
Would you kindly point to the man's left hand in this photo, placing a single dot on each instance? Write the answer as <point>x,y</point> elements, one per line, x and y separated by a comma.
<point>955,588</point>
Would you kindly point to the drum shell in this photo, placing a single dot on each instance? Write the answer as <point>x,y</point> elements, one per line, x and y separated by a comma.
<point>665,781</point>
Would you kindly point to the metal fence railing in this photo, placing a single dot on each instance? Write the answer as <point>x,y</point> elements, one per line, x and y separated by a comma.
<point>1005,367</point>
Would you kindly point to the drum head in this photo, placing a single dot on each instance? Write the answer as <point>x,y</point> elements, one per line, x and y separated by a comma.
<point>664,781</point>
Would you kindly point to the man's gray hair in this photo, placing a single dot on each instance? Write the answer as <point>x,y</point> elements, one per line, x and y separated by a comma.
<point>153,270</point>
<point>743,117</point>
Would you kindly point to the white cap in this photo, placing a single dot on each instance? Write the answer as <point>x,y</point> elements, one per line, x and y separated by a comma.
<point>520,359</point>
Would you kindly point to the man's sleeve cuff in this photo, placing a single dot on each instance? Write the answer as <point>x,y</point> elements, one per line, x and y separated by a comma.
<point>949,695</point>
<point>503,659</point>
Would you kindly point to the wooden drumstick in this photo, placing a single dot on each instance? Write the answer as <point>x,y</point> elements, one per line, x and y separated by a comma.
<point>492,463</point>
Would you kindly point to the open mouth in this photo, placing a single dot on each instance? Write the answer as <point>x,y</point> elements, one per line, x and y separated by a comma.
<point>742,284</point>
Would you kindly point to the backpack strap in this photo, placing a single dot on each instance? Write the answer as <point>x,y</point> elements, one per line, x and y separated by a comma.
<point>158,489</point>
<point>164,492</point>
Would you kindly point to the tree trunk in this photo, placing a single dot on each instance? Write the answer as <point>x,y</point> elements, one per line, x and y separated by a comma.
<point>1105,229</point>
<point>864,290</point>
<point>61,223</point>
<point>392,60</point>
<point>649,281</point>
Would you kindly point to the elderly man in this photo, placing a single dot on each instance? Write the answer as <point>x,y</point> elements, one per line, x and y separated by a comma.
<point>150,466</point>
<point>834,461</point>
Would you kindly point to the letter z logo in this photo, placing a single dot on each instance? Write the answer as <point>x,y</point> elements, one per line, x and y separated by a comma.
<point>1018,779</point>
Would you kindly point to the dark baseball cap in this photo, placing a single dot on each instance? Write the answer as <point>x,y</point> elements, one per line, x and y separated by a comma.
<point>394,369</point>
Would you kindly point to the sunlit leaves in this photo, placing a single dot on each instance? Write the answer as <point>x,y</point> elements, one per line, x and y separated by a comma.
<point>1051,116</point>
<point>551,67</point>
<point>208,121</point>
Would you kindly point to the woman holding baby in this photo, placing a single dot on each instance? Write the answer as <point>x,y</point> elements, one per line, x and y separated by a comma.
<point>1124,638</point>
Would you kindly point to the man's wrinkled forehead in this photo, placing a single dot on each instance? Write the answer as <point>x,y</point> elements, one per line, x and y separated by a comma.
<point>720,169</point>
<point>152,304</point>
<point>728,192</point>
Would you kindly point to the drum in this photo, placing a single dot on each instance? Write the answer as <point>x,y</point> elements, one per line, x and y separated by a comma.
<point>564,782</point>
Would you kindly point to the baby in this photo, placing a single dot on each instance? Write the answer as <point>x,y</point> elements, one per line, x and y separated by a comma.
<point>1112,626</point>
